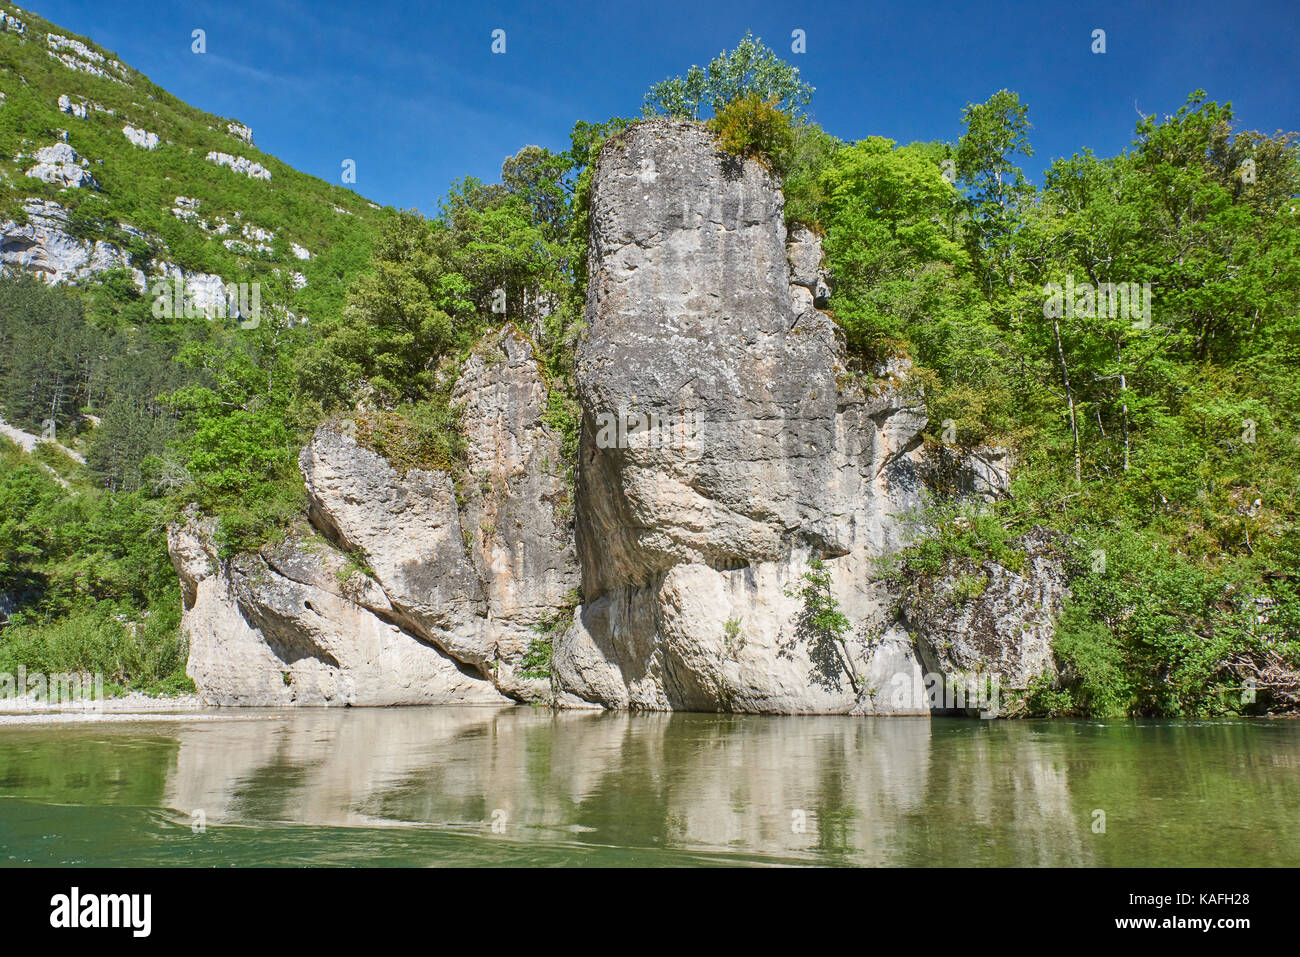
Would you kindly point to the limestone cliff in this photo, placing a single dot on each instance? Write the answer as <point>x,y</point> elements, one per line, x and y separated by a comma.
<point>294,625</point>
<point>439,580</point>
<point>761,451</point>
<point>726,448</point>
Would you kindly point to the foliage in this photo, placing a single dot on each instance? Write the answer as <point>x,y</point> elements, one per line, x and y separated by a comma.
<point>733,638</point>
<point>89,579</point>
<point>810,154</point>
<point>752,68</point>
<point>752,126</point>
<point>903,279</point>
<point>1161,440</point>
<point>536,661</point>
<point>823,626</point>
<point>91,641</point>
<point>960,533</point>
<point>426,435</point>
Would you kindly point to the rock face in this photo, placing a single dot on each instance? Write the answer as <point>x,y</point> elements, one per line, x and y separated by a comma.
<point>518,499</point>
<point>762,454</point>
<point>986,619</point>
<point>240,164</point>
<point>295,625</point>
<point>804,251</point>
<point>75,55</point>
<point>438,571</point>
<point>407,529</point>
<point>67,105</point>
<point>141,138</point>
<point>240,131</point>
<point>983,473</point>
<point>43,245</point>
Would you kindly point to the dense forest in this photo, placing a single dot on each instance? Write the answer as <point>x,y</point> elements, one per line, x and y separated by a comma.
<point>1128,331</point>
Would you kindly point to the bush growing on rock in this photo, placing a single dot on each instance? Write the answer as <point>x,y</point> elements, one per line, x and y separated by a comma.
<point>752,126</point>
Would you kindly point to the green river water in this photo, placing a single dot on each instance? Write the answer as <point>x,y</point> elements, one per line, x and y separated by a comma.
<point>524,786</point>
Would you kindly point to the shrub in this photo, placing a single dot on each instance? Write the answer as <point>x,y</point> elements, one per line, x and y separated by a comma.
<point>752,126</point>
<point>1097,674</point>
<point>422,435</point>
<point>95,640</point>
<point>823,626</point>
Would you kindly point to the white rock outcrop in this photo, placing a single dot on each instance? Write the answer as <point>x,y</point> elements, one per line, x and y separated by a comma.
<point>43,245</point>
<point>206,292</point>
<point>75,55</point>
<point>72,107</point>
<point>240,164</point>
<point>61,165</point>
<point>186,208</point>
<point>28,441</point>
<point>141,138</point>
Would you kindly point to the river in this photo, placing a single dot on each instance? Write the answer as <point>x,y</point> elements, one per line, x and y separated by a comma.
<point>525,786</point>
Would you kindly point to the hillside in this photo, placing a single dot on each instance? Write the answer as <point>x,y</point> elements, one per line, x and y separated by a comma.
<point>109,185</point>
<point>126,175</point>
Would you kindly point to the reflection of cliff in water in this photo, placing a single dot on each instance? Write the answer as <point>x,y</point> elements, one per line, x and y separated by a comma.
<point>1007,790</point>
<point>815,788</point>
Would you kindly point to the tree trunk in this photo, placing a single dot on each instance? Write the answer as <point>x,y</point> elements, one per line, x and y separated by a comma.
<point>1069,398</point>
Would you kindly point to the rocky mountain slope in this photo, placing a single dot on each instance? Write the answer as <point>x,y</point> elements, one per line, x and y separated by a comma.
<point>725,449</point>
<point>101,169</point>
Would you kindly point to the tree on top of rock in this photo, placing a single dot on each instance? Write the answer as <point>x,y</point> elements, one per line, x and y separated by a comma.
<point>751,68</point>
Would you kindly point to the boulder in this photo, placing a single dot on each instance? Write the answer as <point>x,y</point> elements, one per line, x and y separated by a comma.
<point>61,165</point>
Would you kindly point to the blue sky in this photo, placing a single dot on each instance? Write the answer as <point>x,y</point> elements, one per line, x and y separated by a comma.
<point>412,92</point>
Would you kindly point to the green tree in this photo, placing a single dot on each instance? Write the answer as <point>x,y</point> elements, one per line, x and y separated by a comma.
<point>751,68</point>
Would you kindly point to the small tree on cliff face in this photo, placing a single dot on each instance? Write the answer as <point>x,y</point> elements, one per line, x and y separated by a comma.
<point>751,68</point>
<point>823,626</point>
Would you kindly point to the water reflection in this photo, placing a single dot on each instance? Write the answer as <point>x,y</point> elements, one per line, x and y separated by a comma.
<point>820,786</point>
